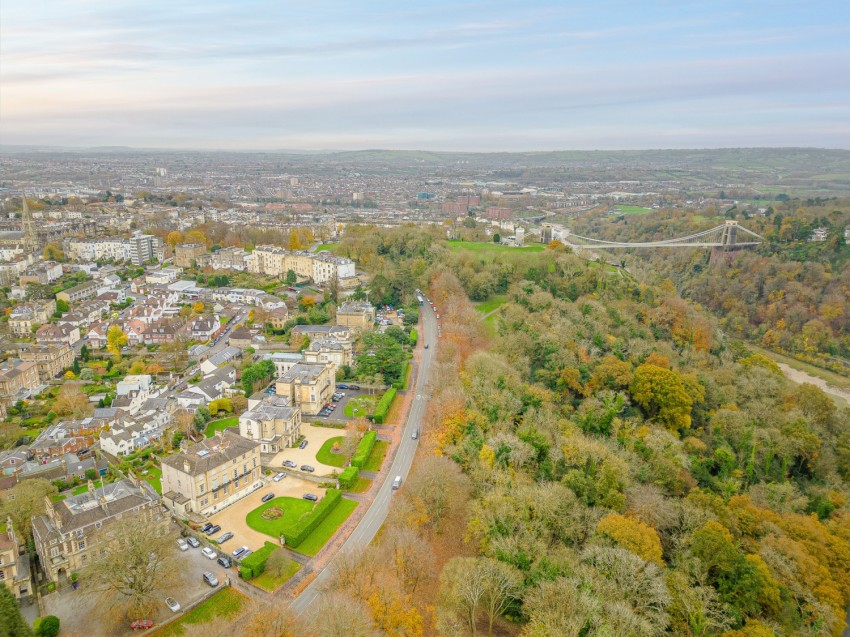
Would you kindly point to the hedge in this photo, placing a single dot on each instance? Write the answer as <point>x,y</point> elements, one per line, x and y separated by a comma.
<point>348,477</point>
<point>383,406</point>
<point>399,384</point>
<point>364,449</point>
<point>255,563</point>
<point>414,337</point>
<point>299,531</point>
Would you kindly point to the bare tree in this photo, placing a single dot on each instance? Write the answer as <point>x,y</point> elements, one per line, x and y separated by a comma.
<point>411,557</point>
<point>73,402</point>
<point>135,569</point>
<point>340,615</point>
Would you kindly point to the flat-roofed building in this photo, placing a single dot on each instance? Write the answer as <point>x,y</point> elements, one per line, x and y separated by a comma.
<point>186,254</point>
<point>86,290</point>
<point>356,314</point>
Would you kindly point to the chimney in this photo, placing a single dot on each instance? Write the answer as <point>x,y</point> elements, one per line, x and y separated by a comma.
<point>186,467</point>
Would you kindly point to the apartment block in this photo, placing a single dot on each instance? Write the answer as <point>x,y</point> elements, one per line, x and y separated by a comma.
<point>52,360</point>
<point>186,253</point>
<point>275,423</point>
<point>308,386</point>
<point>356,314</point>
<point>86,290</point>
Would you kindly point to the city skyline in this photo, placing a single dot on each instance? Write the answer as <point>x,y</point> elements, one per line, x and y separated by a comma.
<point>474,77</point>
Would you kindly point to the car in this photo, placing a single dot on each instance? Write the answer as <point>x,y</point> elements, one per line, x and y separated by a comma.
<point>426,345</point>
<point>182,544</point>
<point>310,496</point>
<point>193,542</point>
<point>354,387</point>
<point>415,434</point>
<point>224,537</point>
<point>239,552</point>
<point>214,529</point>
<point>268,496</point>
<point>210,579</point>
<point>208,553</point>
<point>245,554</point>
<point>341,386</point>
<point>206,527</point>
<point>279,477</point>
<point>303,444</point>
<point>396,483</point>
<point>224,561</point>
<point>290,463</point>
<point>308,468</point>
<point>141,624</point>
<point>173,604</point>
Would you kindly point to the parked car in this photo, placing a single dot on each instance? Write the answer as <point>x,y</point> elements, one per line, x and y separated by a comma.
<point>214,529</point>
<point>224,537</point>
<point>206,527</point>
<point>268,496</point>
<point>341,386</point>
<point>224,561</point>
<point>311,497</point>
<point>308,468</point>
<point>239,552</point>
<point>279,477</point>
<point>182,544</point>
<point>354,387</point>
<point>193,542</point>
<point>208,552</point>
<point>303,444</point>
<point>290,463</point>
<point>172,604</point>
<point>210,579</point>
<point>141,624</point>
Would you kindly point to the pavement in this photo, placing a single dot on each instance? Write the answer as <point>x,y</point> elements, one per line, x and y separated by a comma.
<point>233,517</point>
<point>371,522</point>
<point>79,617</point>
<point>316,437</point>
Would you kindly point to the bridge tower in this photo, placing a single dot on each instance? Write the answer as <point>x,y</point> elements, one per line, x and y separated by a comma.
<point>730,235</point>
<point>30,240</point>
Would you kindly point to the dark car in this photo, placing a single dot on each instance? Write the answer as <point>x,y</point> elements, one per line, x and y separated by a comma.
<point>342,386</point>
<point>213,529</point>
<point>354,387</point>
<point>306,467</point>
<point>311,497</point>
<point>303,444</point>
<point>206,527</point>
<point>426,345</point>
<point>224,561</point>
<point>268,496</point>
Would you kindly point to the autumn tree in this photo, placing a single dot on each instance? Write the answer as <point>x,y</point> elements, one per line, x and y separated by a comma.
<point>173,238</point>
<point>663,395</point>
<point>23,502</point>
<point>116,338</point>
<point>72,401</point>
<point>632,534</point>
<point>341,615</point>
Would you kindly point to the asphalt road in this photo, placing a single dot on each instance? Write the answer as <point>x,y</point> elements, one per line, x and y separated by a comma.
<point>377,513</point>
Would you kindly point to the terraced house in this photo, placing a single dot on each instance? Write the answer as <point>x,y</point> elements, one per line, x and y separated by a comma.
<point>211,475</point>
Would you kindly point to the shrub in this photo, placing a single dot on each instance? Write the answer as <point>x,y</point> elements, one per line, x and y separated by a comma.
<point>383,406</point>
<point>47,626</point>
<point>399,384</point>
<point>299,531</point>
<point>364,449</point>
<point>255,563</point>
<point>414,336</point>
<point>348,477</point>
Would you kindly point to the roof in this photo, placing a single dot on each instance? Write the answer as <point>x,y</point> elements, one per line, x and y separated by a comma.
<point>272,408</point>
<point>210,453</point>
<point>355,307</point>
<point>228,353</point>
<point>321,329</point>
<point>304,373</point>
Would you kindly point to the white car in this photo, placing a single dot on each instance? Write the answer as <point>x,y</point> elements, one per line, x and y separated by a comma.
<point>240,551</point>
<point>173,604</point>
<point>279,477</point>
<point>184,546</point>
<point>208,552</point>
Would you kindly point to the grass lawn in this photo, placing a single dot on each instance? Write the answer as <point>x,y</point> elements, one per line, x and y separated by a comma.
<point>318,538</point>
<point>493,303</point>
<point>225,604</point>
<point>330,247</point>
<point>269,583</point>
<point>490,248</point>
<point>220,425</point>
<point>376,458</point>
<point>83,488</point>
<point>634,210</point>
<point>154,477</point>
<point>360,486</point>
<point>293,510</point>
<point>326,456</point>
<point>360,407</point>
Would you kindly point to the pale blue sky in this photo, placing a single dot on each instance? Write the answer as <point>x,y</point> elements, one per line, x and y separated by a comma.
<point>487,75</point>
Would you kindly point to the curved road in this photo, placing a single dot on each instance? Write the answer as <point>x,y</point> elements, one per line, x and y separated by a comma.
<point>377,513</point>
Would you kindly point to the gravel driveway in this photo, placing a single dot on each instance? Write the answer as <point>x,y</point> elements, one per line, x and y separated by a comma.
<point>316,437</point>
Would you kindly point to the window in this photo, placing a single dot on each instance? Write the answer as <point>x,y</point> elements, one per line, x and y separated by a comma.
<point>215,495</point>
<point>97,525</point>
<point>204,502</point>
<point>203,488</point>
<point>79,533</point>
<point>54,552</point>
<point>2,575</point>
<point>81,545</point>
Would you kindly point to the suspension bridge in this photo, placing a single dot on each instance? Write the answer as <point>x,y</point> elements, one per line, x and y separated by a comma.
<point>729,236</point>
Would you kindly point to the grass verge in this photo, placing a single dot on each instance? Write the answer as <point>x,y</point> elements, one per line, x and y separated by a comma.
<point>318,538</point>
<point>325,455</point>
<point>360,406</point>
<point>376,458</point>
<point>360,486</point>
<point>269,583</point>
<point>225,604</point>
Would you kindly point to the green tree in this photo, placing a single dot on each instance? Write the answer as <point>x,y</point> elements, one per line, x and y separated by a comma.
<point>47,626</point>
<point>12,623</point>
<point>662,394</point>
<point>291,277</point>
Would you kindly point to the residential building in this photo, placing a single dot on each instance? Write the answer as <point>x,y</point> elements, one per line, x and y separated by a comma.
<point>144,248</point>
<point>86,290</point>
<point>161,331</point>
<point>132,391</point>
<point>73,533</point>
<point>819,234</point>
<point>308,386</point>
<point>284,361</point>
<point>18,381</point>
<point>356,314</point>
<point>97,335</point>
<point>65,437</point>
<point>52,360</point>
<point>497,212</point>
<point>57,334</point>
<point>274,423</point>
<point>329,350</point>
<point>132,433</point>
<point>164,276</point>
<point>211,475</point>
<point>202,328</point>
<point>24,317</point>
<point>14,562</point>
<point>185,254</point>
<point>42,273</point>
<point>321,268</point>
<point>217,360</point>
<point>242,337</point>
<point>313,332</point>
<point>278,317</point>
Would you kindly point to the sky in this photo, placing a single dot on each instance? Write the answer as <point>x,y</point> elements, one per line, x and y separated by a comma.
<point>431,75</point>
